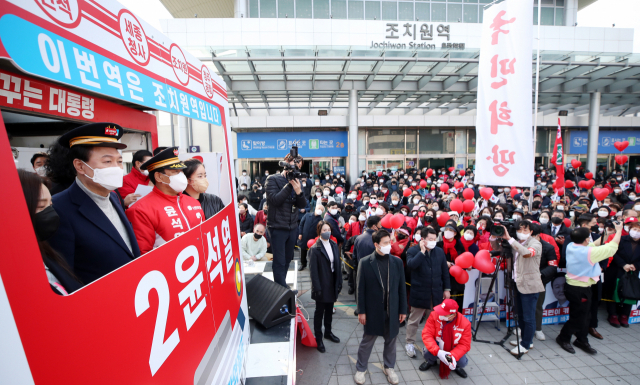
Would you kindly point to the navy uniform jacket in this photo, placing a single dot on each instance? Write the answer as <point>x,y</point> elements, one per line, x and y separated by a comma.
<point>86,238</point>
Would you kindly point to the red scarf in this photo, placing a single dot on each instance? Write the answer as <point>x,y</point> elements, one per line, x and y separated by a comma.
<point>447,338</point>
<point>466,243</point>
<point>243,217</point>
<point>449,247</point>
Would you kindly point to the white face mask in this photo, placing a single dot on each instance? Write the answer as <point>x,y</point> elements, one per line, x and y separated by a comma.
<point>361,217</point>
<point>499,190</point>
<point>374,201</point>
<point>468,236</point>
<point>351,221</point>
<point>333,211</point>
<point>449,234</point>
<point>385,249</point>
<point>243,188</point>
<point>318,194</point>
<point>560,207</point>
<point>41,171</point>
<point>516,217</point>
<point>318,211</point>
<point>636,207</point>
<point>603,214</point>
<point>317,182</point>
<point>415,201</point>
<point>379,212</point>
<point>435,207</point>
<point>544,221</point>
<point>145,172</point>
<point>635,234</point>
<point>244,174</point>
<point>632,197</point>
<point>626,228</point>
<point>178,182</point>
<point>601,229</point>
<point>326,193</point>
<point>304,184</point>
<point>417,237</point>
<point>523,237</point>
<point>375,188</point>
<point>431,244</point>
<point>110,177</point>
<point>404,212</point>
<point>394,202</point>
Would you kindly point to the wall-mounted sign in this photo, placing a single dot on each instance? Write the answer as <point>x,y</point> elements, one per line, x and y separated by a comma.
<point>312,144</point>
<point>606,140</point>
<point>417,36</point>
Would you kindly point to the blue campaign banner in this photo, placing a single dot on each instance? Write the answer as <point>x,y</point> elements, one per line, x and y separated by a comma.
<point>312,144</point>
<point>579,139</point>
<point>43,53</point>
<point>339,170</point>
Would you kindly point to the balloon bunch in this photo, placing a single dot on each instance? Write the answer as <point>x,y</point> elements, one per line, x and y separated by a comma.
<point>482,261</point>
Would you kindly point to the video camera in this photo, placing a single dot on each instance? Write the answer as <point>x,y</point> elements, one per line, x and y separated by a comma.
<point>293,172</point>
<point>498,231</point>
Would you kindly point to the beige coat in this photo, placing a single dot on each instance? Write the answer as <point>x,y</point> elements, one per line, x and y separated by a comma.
<point>528,279</point>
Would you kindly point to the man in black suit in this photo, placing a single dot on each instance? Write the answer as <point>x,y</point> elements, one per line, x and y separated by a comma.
<point>556,227</point>
<point>94,235</point>
<point>363,246</point>
<point>382,305</point>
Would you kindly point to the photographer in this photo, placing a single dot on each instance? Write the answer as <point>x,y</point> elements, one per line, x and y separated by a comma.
<point>527,252</point>
<point>285,197</point>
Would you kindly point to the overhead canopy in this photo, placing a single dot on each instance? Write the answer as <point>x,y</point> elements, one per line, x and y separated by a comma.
<point>400,82</point>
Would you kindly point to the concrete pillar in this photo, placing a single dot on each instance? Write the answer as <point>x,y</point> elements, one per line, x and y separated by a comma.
<point>594,129</point>
<point>570,12</point>
<point>240,9</point>
<point>353,136</point>
<point>183,134</point>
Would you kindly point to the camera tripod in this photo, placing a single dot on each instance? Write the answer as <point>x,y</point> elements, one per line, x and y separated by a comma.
<point>506,255</point>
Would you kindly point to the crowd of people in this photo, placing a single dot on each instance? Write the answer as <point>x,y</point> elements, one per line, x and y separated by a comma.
<point>551,232</point>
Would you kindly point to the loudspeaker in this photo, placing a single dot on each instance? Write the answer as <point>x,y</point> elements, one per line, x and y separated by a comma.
<point>269,303</point>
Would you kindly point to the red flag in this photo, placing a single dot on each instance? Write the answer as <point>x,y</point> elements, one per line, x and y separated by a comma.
<point>306,336</point>
<point>558,158</point>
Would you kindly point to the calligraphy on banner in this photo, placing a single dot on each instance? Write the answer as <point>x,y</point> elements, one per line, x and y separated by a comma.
<point>504,127</point>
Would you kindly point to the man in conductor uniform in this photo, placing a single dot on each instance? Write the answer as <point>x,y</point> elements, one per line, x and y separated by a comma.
<point>94,235</point>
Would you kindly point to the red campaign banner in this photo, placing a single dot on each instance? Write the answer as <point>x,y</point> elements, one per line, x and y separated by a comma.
<point>26,93</point>
<point>155,320</point>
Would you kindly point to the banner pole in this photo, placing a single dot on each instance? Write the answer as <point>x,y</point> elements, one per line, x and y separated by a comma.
<point>535,108</point>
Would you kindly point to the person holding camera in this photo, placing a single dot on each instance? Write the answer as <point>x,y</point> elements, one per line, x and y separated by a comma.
<point>285,197</point>
<point>527,252</point>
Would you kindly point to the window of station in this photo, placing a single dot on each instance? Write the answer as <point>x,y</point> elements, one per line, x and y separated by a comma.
<point>436,141</point>
<point>386,142</point>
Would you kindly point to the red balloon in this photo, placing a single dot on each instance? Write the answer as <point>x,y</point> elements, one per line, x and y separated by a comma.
<point>311,242</point>
<point>462,172</point>
<point>464,260</point>
<point>576,163</point>
<point>451,169</point>
<point>423,183</point>
<point>621,159</point>
<point>582,184</point>
<point>397,221</point>
<point>567,222</point>
<point>458,185</point>
<point>568,184</point>
<point>468,206</point>
<point>560,191</point>
<point>468,193</point>
<point>456,205</point>
<point>379,173</point>
<point>444,188</point>
<point>338,190</point>
<point>459,274</point>
<point>406,192</point>
<point>600,193</point>
<point>486,193</point>
<point>483,262</point>
<point>588,175</point>
<point>621,145</point>
<point>514,192</point>
<point>429,172</point>
<point>590,183</point>
<point>442,219</point>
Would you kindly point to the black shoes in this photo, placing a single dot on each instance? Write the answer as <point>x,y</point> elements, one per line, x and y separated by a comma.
<point>302,267</point>
<point>355,313</point>
<point>566,345</point>
<point>332,337</point>
<point>460,372</point>
<point>320,347</point>
<point>351,291</point>
<point>585,346</point>
<point>425,366</point>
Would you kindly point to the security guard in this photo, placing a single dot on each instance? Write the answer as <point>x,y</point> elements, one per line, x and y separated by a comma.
<point>165,212</point>
<point>94,235</point>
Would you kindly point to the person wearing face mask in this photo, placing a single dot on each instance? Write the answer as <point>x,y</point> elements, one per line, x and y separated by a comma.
<point>556,227</point>
<point>253,246</point>
<point>45,223</point>
<point>430,282</point>
<point>38,162</point>
<point>136,177</point>
<point>245,178</point>
<point>264,178</point>
<point>197,178</point>
<point>396,203</point>
<point>363,245</point>
<point>326,282</point>
<point>245,219</point>
<point>94,235</point>
<point>527,252</point>
<point>382,305</point>
<point>548,270</point>
<point>469,239</point>
<point>332,217</point>
<point>308,230</point>
<point>164,213</point>
<point>452,247</point>
<point>619,196</point>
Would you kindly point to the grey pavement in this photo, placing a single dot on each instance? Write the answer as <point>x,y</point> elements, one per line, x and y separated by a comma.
<point>616,362</point>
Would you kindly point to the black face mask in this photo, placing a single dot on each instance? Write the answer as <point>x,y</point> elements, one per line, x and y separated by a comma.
<point>556,221</point>
<point>257,236</point>
<point>265,211</point>
<point>349,208</point>
<point>46,223</point>
<point>595,228</point>
<point>526,194</point>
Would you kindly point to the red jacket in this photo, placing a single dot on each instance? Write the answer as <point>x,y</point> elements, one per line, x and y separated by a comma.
<point>131,181</point>
<point>483,241</point>
<point>461,335</point>
<point>158,218</point>
<point>398,247</point>
<point>353,230</point>
<point>260,218</point>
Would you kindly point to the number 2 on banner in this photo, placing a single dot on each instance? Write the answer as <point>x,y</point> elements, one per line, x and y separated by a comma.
<point>160,349</point>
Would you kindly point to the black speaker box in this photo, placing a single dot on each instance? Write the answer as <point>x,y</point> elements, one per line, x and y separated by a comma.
<point>269,303</point>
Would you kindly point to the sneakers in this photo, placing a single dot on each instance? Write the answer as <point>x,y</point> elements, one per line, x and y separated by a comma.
<point>410,349</point>
<point>540,335</point>
<point>518,330</point>
<point>613,320</point>
<point>392,377</point>
<point>515,352</point>
<point>514,343</point>
<point>624,321</point>
<point>359,378</point>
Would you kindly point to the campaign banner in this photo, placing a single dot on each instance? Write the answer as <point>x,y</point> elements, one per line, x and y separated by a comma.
<point>311,144</point>
<point>103,48</point>
<point>29,94</point>
<point>579,141</point>
<point>504,123</point>
<point>555,308</point>
<point>470,294</point>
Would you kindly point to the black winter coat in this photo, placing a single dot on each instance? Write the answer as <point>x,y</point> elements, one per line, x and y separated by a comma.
<point>363,245</point>
<point>548,254</point>
<point>625,256</point>
<point>246,226</point>
<point>283,203</point>
<point>309,227</point>
<point>335,227</point>
<point>325,284</point>
<point>370,295</point>
<point>429,277</point>
<point>211,204</point>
